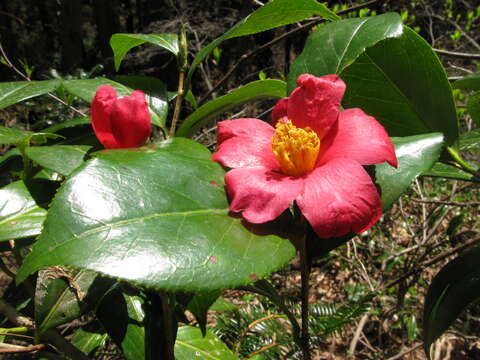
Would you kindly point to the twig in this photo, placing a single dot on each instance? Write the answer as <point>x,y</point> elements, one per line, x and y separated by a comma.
<point>403,353</point>
<point>265,348</point>
<point>27,78</point>
<point>459,28</point>
<point>12,349</point>
<point>436,259</point>
<point>356,336</point>
<point>442,202</point>
<point>13,17</point>
<point>274,41</point>
<point>457,54</point>
<point>265,318</point>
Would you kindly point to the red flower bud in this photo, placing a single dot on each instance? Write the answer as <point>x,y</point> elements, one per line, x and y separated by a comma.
<point>120,122</point>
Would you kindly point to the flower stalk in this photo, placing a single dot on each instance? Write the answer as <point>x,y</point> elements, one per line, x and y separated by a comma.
<point>160,326</point>
<point>305,264</point>
<point>182,67</point>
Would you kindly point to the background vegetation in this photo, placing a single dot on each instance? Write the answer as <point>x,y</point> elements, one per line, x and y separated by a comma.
<point>367,300</point>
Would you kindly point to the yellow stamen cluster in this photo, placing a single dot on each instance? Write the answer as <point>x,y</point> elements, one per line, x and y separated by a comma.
<point>296,149</point>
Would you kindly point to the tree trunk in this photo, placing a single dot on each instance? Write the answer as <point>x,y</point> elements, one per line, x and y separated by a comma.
<point>71,34</point>
<point>106,18</point>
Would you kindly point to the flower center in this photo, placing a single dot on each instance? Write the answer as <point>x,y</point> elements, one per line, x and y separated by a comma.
<point>296,149</point>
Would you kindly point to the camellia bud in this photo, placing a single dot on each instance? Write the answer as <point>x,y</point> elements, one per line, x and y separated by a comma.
<point>120,122</point>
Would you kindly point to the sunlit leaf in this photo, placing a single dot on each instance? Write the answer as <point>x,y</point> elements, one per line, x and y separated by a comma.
<point>123,43</point>
<point>191,344</point>
<point>157,217</point>
<point>19,214</point>
<point>14,92</point>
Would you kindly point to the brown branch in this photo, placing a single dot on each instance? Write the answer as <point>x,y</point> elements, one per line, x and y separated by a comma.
<point>442,202</point>
<point>274,41</point>
<point>12,349</point>
<point>356,336</point>
<point>13,17</point>
<point>403,353</point>
<point>457,54</point>
<point>27,78</point>
<point>435,260</point>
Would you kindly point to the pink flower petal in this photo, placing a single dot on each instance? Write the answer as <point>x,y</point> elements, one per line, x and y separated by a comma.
<point>131,124</point>
<point>359,137</point>
<point>315,103</point>
<point>100,114</point>
<point>244,143</point>
<point>260,194</point>
<point>339,197</point>
<point>279,110</point>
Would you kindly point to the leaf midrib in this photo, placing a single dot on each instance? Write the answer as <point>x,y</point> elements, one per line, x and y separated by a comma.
<point>181,343</point>
<point>135,220</point>
<point>399,91</point>
<point>356,30</point>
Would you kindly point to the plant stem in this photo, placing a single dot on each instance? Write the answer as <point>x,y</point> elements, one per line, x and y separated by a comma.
<point>178,102</point>
<point>305,274</point>
<point>456,156</point>
<point>15,330</point>
<point>160,326</point>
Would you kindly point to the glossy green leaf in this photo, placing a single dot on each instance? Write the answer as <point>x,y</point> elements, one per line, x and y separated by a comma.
<point>449,172</point>
<point>473,107</point>
<point>469,82</point>
<point>191,344</point>
<point>403,84</point>
<point>399,80</point>
<point>199,306</point>
<point>122,316</point>
<point>122,43</point>
<point>415,154</point>
<point>14,92</point>
<point>60,158</point>
<point>62,296</point>
<point>273,14</point>
<point>337,45</point>
<point>68,124</point>
<point>11,136</point>
<point>255,90</point>
<point>157,217</point>
<point>88,341</point>
<point>19,215</point>
<point>451,291</point>
<point>85,89</point>
<point>470,140</point>
<point>157,97</point>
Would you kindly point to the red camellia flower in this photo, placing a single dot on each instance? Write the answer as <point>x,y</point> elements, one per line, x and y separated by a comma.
<point>313,154</point>
<point>120,122</point>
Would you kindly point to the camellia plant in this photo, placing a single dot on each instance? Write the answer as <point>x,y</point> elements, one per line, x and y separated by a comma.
<point>137,231</point>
